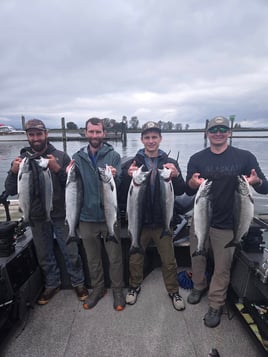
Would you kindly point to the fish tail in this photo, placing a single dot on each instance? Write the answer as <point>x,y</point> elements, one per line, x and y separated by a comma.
<point>233,244</point>
<point>166,232</point>
<point>201,252</point>
<point>214,353</point>
<point>72,239</point>
<point>136,250</point>
<point>110,238</point>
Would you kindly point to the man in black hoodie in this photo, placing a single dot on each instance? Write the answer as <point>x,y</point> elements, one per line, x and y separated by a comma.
<point>44,230</point>
<point>153,159</point>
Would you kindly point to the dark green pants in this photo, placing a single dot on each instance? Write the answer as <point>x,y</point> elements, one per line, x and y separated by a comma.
<point>166,251</point>
<point>92,233</point>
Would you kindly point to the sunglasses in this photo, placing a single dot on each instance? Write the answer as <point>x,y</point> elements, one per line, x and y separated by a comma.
<point>220,129</point>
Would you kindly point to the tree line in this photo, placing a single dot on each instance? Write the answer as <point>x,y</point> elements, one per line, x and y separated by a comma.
<point>134,124</point>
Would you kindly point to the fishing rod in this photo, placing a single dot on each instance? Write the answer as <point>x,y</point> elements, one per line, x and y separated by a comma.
<point>178,155</point>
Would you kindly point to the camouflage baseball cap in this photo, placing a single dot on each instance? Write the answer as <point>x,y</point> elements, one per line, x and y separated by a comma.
<point>218,121</point>
<point>35,124</point>
<point>150,125</point>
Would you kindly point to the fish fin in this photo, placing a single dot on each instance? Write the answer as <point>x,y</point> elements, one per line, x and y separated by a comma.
<point>251,199</point>
<point>110,238</point>
<point>233,244</point>
<point>136,250</point>
<point>72,239</point>
<point>202,252</point>
<point>214,353</point>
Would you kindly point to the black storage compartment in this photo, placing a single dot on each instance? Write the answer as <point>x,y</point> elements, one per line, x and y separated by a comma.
<point>7,241</point>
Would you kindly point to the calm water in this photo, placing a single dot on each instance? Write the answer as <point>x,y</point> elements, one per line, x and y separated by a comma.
<point>181,145</point>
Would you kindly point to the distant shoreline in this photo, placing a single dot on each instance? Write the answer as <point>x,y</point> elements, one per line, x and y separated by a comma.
<point>129,131</point>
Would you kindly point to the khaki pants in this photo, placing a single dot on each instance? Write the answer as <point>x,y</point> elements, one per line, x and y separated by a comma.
<point>166,251</point>
<point>223,258</point>
<point>92,233</point>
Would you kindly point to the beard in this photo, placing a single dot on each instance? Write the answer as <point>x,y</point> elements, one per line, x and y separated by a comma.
<point>95,143</point>
<point>39,146</point>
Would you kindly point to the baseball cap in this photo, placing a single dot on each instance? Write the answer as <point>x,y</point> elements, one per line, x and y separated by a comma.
<point>150,125</point>
<point>218,121</point>
<point>35,124</point>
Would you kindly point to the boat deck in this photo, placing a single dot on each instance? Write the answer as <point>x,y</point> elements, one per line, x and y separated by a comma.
<point>151,327</point>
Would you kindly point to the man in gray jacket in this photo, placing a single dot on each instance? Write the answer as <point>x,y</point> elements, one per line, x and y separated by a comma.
<point>92,225</point>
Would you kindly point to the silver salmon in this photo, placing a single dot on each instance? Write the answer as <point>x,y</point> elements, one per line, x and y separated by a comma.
<point>135,199</point>
<point>45,186</point>
<point>25,192</point>
<point>243,210</point>
<point>109,202</point>
<point>202,216</point>
<point>167,199</point>
<point>28,187</point>
<point>73,201</point>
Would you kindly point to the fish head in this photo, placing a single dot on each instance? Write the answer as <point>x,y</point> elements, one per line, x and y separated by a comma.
<point>42,162</point>
<point>165,173</point>
<point>243,187</point>
<point>24,165</point>
<point>71,174</point>
<point>140,176</point>
<point>204,190</point>
<point>206,186</point>
<point>105,173</point>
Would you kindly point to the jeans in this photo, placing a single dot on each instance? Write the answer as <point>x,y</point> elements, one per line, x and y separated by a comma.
<point>44,234</point>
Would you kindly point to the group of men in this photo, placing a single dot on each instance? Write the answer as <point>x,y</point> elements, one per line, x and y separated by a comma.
<point>216,163</point>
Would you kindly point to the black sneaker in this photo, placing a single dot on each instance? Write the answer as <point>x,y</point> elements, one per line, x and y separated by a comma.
<point>213,317</point>
<point>94,297</point>
<point>195,296</point>
<point>132,295</point>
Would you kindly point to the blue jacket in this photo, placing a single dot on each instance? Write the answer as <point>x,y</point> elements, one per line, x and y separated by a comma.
<point>92,209</point>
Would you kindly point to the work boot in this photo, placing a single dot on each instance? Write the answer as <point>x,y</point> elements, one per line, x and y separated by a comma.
<point>213,317</point>
<point>195,296</point>
<point>119,300</point>
<point>81,292</point>
<point>94,297</point>
<point>46,295</point>
<point>132,295</point>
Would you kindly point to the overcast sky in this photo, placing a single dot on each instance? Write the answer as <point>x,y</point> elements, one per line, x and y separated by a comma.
<point>171,60</point>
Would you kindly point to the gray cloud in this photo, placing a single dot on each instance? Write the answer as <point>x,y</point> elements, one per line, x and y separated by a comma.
<point>183,61</point>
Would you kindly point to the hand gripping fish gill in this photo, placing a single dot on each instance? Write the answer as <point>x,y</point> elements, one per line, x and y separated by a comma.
<point>135,204</point>
<point>243,211</point>
<point>109,202</point>
<point>202,216</point>
<point>166,199</point>
<point>73,201</point>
